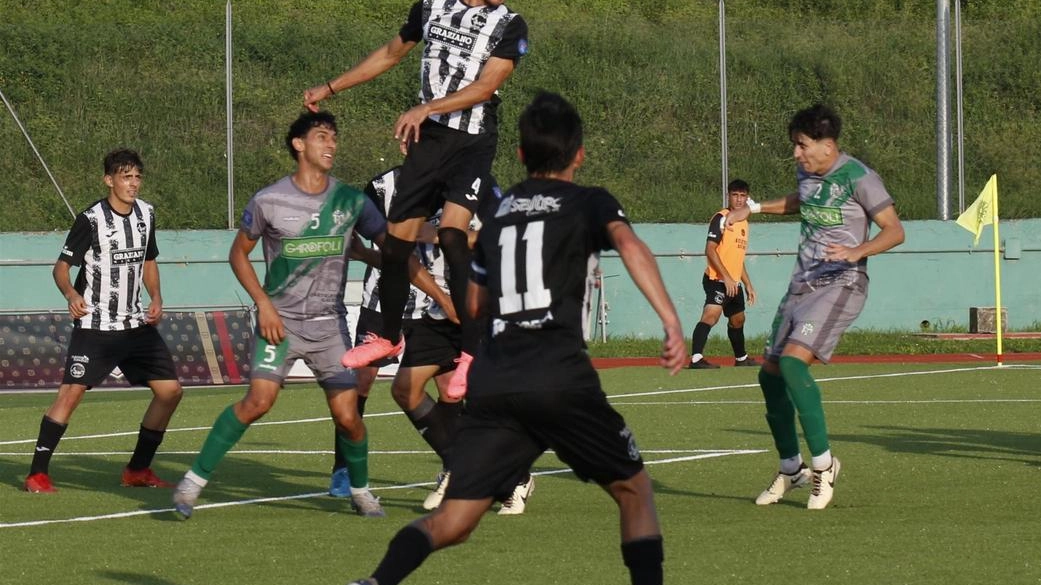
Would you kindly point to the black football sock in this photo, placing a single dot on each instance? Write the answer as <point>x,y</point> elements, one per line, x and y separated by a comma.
<point>339,461</point>
<point>393,284</point>
<point>457,258</point>
<point>361,404</point>
<point>699,338</point>
<point>405,553</point>
<point>737,340</point>
<point>644,558</point>
<point>46,443</point>
<point>431,425</point>
<point>448,416</point>
<point>148,442</point>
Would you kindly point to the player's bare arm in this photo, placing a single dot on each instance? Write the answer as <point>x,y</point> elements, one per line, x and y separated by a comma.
<point>640,263</point>
<point>359,251</point>
<point>712,253</point>
<point>375,64</point>
<point>268,320</point>
<point>787,205</point>
<point>749,289</point>
<point>494,73</point>
<point>424,281</point>
<point>890,235</point>
<point>150,277</point>
<point>77,306</point>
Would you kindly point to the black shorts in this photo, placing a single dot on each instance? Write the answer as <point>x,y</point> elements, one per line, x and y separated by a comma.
<point>716,294</point>
<point>432,342</point>
<point>501,435</point>
<point>370,321</point>
<point>445,165</point>
<point>140,353</point>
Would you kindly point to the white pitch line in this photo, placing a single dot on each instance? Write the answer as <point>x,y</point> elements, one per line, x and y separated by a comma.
<point>322,452</point>
<point>760,402</point>
<point>611,398</point>
<point>836,379</point>
<point>185,429</point>
<point>700,454</point>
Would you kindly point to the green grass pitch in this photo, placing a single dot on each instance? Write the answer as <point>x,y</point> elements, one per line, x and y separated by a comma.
<point>940,485</point>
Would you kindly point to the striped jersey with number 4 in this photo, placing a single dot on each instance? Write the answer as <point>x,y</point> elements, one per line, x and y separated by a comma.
<point>533,254</point>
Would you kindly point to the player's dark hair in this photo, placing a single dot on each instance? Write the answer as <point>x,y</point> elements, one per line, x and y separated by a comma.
<point>817,122</point>
<point>122,159</point>
<point>550,133</point>
<point>738,185</point>
<point>302,125</point>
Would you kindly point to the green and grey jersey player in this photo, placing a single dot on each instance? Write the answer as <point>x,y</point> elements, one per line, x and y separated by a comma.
<point>305,221</point>
<point>838,199</point>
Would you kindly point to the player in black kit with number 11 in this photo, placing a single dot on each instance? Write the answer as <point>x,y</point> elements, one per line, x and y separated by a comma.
<point>533,386</point>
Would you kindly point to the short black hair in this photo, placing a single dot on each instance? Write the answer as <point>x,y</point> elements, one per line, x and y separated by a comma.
<point>122,159</point>
<point>303,124</point>
<point>738,185</point>
<point>550,133</point>
<point>817,121</point>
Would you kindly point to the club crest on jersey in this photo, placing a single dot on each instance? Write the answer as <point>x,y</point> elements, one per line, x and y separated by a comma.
<point>453,37</point>
<point>479,20</point>
<point>128,256</point>
<point>341,217</point>
<point>142,228</point>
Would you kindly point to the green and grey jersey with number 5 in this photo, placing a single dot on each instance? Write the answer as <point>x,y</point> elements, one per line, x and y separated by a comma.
<point>836,208</point>
<point>306,238</point>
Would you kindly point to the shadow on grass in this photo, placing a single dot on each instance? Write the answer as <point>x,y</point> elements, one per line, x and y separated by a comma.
<point>135,578</point>
<point>1016,447</point>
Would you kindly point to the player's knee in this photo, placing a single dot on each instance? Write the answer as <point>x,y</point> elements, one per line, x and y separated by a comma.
<point>254,407</point>
<point>402,395</point>
<point>168,391</point>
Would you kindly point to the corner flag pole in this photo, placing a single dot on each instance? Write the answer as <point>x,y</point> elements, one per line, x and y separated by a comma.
<point>37,152</point>
<point>997,270</point>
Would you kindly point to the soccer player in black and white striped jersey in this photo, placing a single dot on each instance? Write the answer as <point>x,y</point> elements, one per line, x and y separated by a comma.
<point>113,241</point>
<point>449,141</point>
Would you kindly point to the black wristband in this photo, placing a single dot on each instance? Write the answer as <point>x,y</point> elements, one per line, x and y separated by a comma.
<point>330,86</point>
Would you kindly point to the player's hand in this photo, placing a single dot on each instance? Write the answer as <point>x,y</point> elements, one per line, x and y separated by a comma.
<point>314,95</point>
<point>450,314</point>
<point>155,312</point>
<point>840,253</point>
<point>751,296</point>
<point>270,324</point>
<point>406,130</point>
<point>731,286</point>
<point>673,350</point>
<point>78,307</point>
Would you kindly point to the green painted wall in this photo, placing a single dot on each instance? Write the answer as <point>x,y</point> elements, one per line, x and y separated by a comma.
<point>936,275</point>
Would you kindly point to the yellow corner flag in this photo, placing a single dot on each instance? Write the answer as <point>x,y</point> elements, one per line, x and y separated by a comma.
<point>982,210</point>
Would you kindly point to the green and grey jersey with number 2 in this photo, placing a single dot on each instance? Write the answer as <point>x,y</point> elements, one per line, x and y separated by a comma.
<point>306,238</point>
<point>836,208</point>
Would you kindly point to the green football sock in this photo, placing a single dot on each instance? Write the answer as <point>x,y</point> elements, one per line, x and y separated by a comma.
<point>357,456</point>
<point>780,414</point>
<point>806,395</point>
<point>226,431</point>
